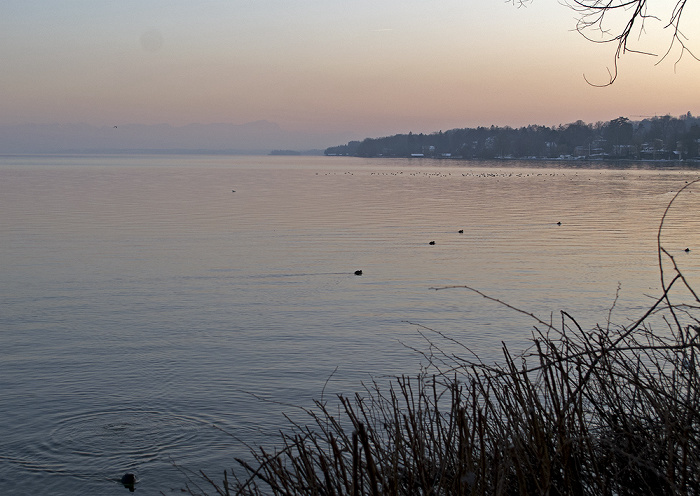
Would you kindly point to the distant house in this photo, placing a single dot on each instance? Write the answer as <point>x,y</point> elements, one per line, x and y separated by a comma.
<point>625,151</point>
<point>581,151</point>
<point>595,149</point>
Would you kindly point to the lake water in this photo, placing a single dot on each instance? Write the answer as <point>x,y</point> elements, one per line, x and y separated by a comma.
<point>145,306</point>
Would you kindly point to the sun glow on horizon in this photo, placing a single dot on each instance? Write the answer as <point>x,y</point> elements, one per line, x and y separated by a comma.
<point>362,70</point>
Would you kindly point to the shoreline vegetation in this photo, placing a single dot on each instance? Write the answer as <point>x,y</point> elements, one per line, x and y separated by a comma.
<point>614,410</point>
<point>651,139</point>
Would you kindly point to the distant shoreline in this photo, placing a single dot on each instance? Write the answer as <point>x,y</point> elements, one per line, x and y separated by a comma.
<point>572,163</point>
<point>582,160</point>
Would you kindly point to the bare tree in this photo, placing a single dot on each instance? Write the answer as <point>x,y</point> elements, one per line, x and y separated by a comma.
<point>621,21</point>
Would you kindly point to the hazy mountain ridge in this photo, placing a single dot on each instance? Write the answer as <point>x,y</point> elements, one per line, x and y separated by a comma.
<point>253,137</point>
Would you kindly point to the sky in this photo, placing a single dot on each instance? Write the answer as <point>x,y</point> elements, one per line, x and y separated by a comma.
<point>355,68</point>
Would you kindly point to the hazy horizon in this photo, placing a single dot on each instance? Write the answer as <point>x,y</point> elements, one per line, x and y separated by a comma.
<point>259,137</point>
<point>251,137</point>
<point>329,73</point>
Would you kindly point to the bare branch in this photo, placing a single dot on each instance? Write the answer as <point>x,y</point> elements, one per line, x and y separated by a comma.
<point>599,22</point>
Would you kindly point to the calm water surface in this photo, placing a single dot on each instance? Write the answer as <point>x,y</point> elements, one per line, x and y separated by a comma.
<point>145,306</point>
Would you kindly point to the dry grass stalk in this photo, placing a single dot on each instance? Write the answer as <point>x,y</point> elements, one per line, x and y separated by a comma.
<point>611,411</point>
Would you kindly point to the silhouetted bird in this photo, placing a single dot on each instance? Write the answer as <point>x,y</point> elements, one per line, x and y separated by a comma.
<point>432,243</point>
<point>461,231</point>
<point>129,480</point>
<point>358,272</point>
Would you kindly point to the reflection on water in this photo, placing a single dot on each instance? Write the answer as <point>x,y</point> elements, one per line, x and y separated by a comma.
<point>145,306</point>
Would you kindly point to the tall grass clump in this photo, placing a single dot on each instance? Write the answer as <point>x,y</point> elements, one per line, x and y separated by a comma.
<point>614,410</point>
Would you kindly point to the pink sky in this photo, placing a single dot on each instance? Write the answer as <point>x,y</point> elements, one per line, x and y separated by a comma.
<point>361,68</point>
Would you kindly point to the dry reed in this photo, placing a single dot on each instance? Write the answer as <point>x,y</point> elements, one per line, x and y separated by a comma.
<point>610,411</point>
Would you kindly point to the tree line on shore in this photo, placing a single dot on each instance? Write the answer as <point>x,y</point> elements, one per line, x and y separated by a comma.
<point>654,138</point>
